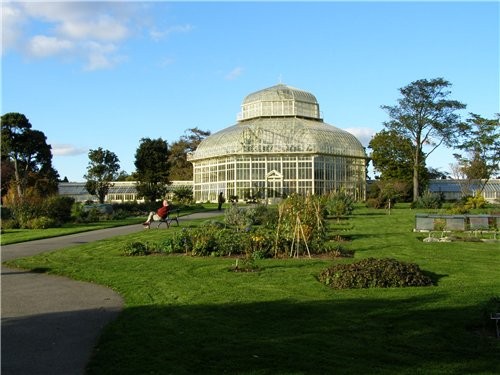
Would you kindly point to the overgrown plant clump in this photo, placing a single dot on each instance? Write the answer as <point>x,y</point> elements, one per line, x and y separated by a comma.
<point>374,273</point>
<point>301,225</point>
<point>34,211</point>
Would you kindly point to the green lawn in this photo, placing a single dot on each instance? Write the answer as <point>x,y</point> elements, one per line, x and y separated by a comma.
<point>188,315</point>
<point>10,236</point>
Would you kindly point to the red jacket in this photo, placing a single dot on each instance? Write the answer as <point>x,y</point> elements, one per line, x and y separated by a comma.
<point>163,212</point>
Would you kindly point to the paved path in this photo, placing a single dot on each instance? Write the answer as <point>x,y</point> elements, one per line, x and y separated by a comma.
<point>50,324</point>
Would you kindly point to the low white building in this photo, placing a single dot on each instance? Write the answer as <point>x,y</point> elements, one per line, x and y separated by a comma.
<point>456,189</point>
<point>121,191</point>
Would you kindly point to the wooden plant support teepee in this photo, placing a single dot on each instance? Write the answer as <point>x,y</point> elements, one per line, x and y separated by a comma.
<point>297,234</point>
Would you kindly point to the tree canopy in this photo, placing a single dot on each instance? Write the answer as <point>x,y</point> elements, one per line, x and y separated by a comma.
<point>180,168</point>
<point>27,155</point>
<point>152,168</point>
<point>480,148</point>
<point>426,116</point>
<point>392,156</point>
<point>102,170</point>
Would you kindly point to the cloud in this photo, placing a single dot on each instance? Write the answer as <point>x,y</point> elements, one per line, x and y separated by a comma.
<point>92,31</point>
<point>67,150</point>
<point>101,56</point>
<point>235,73</point>
<point>162,34</point>
<point>364,135</point>
<point>44,46</point>
<point>104,28</point>
<point>13,20</point>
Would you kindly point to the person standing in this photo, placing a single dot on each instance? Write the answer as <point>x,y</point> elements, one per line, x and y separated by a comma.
<point>220,200</point>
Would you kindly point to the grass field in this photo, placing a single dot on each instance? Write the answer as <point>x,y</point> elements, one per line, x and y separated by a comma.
<point>187,315</point>
<point>10,236</point>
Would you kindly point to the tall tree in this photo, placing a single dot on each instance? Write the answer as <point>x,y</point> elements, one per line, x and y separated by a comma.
<point>30,155</point>
<point>102,170</point>
<point>426,116</point>
<point>392,156</point>
<point>152,168</point>
<point>180,167</point>
<point>480,146</point>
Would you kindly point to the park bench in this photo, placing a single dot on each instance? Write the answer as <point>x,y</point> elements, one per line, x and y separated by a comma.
<point>173,215</point>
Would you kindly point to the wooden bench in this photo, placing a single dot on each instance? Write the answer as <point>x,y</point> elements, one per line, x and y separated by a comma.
<point>172,216</point>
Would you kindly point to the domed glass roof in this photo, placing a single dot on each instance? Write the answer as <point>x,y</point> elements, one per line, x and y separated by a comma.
<point>278,120</point>
<point>279,100</point>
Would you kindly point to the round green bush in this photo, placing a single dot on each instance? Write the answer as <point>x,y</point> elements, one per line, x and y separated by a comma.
<point>374,273</point>
<point>41,222</point>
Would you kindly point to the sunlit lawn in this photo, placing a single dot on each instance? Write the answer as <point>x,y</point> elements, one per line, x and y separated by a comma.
<point>187,315</point>
<point>10,236</point>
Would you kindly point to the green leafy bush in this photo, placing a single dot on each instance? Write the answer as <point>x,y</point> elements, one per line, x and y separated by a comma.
<point>374,273</point>
<point>428,200</point>
<point>261,214</point>
<point>179,242</point>
<point>203,240</point>
<point>236,217</point>
<point>476,201</point>
<point>42,222</point>
<point>229,242</point>
<point>10,224</point>
<point>301,223</point>
<point>136,248</point>
<point>87,216</point>
<point>183,194</point>
<point>378,202</point>
<point>339,204</point>
<point>58,208</point>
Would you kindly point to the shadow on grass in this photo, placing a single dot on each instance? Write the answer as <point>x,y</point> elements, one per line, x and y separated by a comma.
<point>352,336</point>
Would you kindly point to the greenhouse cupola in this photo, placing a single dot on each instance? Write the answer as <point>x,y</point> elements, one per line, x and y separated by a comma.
<point>280,145</point>
<point>279,100</point>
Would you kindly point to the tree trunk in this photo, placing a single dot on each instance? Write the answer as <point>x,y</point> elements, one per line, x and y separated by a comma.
<point>18,179</point>
<point>415,171</point>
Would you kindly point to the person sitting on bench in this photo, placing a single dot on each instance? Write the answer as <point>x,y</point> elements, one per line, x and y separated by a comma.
<point>160,214</point>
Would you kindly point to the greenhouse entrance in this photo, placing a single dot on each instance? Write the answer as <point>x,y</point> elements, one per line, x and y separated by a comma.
<point>274,184</point>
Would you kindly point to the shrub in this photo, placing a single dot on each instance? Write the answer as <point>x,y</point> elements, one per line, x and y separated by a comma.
<point>376,202</point>
<point>10,224</point>
<point>42,222</point>
<point>136,248</point>
<point>229,242</point>
<point>257,214</point>
<point>179,242</point>
<point>183,194</point>
<point>458,209</point>
<point>26,208</point>
<point>301,222</point>
<point>339,204</point>
<point>5,213</point>
<point>203,240</point>
<point>476,201</point>
<point>87,216</point>
<point>374,273</point>
<point>428,200</point>
<point>236,217</point>
<point>58,208</point>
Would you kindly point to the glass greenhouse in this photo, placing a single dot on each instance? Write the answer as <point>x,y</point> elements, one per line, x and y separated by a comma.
<point>279,146</point>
